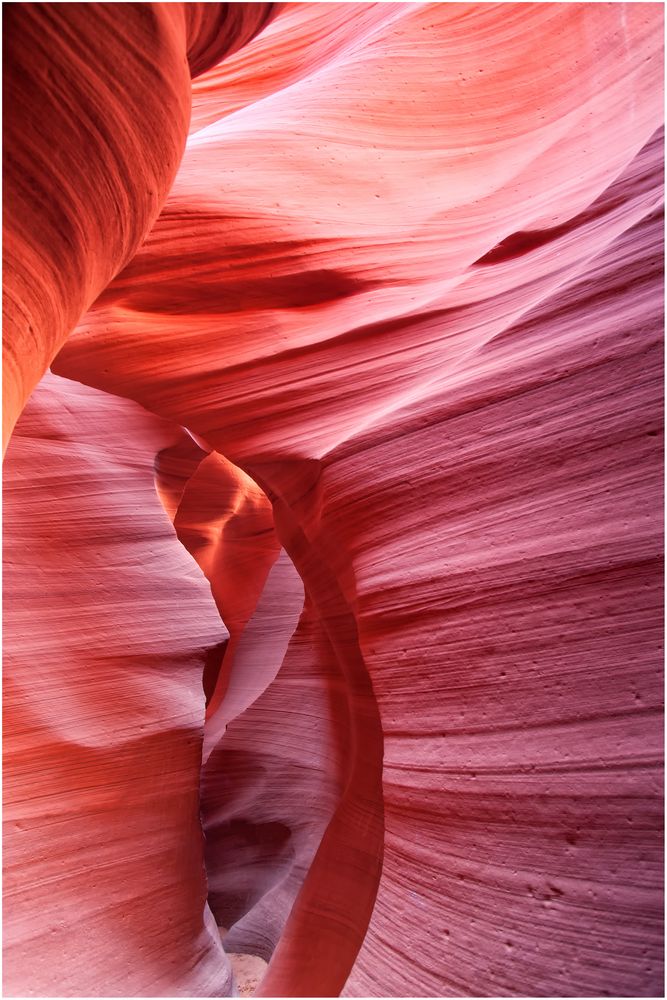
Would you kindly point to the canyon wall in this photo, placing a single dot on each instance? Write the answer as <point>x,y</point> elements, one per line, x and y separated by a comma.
<point>364,429</point>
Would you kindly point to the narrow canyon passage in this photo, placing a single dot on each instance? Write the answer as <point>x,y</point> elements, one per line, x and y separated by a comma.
<point>333,499</point>
<point>292,748</point>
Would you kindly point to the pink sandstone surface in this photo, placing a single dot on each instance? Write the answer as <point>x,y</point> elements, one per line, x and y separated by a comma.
<point>333,536</point>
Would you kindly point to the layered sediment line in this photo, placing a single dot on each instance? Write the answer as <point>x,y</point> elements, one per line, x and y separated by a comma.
<point>404,293</point>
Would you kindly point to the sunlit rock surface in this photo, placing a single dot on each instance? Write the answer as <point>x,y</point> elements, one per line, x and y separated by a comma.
<point>396,340</point>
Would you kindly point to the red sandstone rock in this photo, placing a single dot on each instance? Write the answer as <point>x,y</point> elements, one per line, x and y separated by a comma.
<point>107,625</point>
<point>407,282</point>
<point>97,106</point>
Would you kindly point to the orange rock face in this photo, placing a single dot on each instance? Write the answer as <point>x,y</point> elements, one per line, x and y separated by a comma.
<point>97,111</point>
<point>333,542</point>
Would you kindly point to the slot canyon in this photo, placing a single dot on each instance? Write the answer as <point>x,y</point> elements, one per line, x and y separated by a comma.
<point>333,493</point>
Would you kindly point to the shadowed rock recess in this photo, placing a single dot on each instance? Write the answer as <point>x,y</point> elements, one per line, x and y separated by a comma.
<point>333,496</point>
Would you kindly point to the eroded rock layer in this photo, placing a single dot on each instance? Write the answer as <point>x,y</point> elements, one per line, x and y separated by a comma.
<point>97,106</point>
<point>107,626</point>
<point>405,296</point>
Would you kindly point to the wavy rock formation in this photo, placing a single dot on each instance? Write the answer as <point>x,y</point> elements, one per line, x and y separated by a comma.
<point>97,105</point>
<point>107,626</point>
<point>405,296</point>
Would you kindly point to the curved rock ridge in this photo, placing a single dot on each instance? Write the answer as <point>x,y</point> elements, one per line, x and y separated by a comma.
<point>405,295</point>
<point>107,624</point>
<point>304,39</point>
<point>340,250</point>
<point>517,665</point>
<point>226,522</point>
<point>97,104</point>
<point>265,860</point>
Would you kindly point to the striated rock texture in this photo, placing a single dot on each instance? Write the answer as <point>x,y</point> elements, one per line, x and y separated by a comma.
<point>97,105</point>
<point>396,340</point>
<point>107,626</point>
